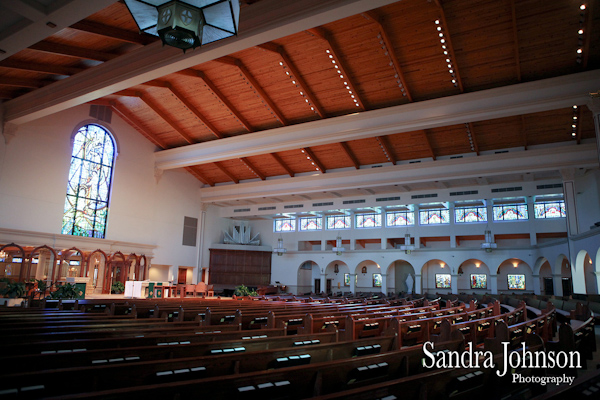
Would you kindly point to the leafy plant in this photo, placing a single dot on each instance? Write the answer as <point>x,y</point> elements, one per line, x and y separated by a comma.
<point>117,287</point>
<point>244,291</point>
<point>66,291</point>
<point>41,285</point>
<point>12,289</point>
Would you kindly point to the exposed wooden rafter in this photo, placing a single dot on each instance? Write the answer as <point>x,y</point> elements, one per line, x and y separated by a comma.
<point>43,68</point>
<point>166,117</point>
<point>579,123</point>
<point>390,48</point>
<point>523,131</point>
<point>387,149</point>
<point>287,62</point>
<point>128,117</point>
<point>199,176</point>
<point>332,47</point>
<point>449,45</point>
<point>24,83</point>
<point>314,159</point>
<point>114,33</point>
<point>263,95</point>
<point>515,39</point>
<point>282,164</point>
<point>426,137</point>
<point>183,99</point>
<point>72,51</point>
<point>226,172</point>
<point>219,95</point>
<point>473,137</point>
<point>351,156</point>
<point>252,168</point>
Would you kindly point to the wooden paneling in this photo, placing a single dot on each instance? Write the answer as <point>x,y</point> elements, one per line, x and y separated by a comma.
<point>230,268</point>
<point>249,90</point>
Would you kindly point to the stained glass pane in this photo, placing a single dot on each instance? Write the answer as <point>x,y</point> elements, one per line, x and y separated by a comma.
<point>377,280</point>
<point>554,209</point>
<point>400,218</point>
<point>434,216</point>
<point>470,214</point>
<point>368,220</point>
<point>285,225</point>
<point>88,189</point>
<point>311,223</point>
<point>338,222</point>
<point>510,212</point>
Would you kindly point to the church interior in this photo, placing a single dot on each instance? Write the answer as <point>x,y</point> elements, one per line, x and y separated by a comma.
<point>316,187</point>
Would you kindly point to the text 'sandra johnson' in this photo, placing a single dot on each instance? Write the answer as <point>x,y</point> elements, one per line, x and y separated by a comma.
<point>512,359</point>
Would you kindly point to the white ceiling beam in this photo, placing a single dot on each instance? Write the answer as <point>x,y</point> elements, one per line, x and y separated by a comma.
<point>523,98</point>
<point>265,21</point>
<point>33,26</point>
<point>569,155</point>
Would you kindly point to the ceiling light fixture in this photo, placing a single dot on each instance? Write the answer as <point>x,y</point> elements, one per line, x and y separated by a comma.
<point>186,24</point>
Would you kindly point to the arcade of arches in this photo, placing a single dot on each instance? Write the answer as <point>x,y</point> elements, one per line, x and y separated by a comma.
<point>513,275</point>
<point>98,268</point>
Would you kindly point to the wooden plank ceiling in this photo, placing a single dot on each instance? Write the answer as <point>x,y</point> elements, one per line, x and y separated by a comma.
<point>409,51</point>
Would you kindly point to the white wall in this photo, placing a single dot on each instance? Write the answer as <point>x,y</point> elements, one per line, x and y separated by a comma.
<point>33,181</point>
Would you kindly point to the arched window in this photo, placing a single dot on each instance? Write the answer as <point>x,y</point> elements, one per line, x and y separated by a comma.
<point>88,190</point>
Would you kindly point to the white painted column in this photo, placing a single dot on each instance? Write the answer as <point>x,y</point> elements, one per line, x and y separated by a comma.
<point>353,283</point>
<point>597,278</point>
<point>384,284</point>
<point>557,281</point>
<point>594,105</point>
<point>536,284</point>
<point>454,283</point>
<point>323,283</point>
<point>568,177</point>
<point>494,284</point>
<point>418,289</point>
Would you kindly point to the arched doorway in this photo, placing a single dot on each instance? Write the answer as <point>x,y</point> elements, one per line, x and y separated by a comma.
<point>12,257</point>
<point>514,276</point>
<point>402,274</point>
<point>436,277</point>
<point>308,274</point>
<point>42,261</point>
<point>337,277</point>
<point>591,282</point>
<point>473,277</point>
<point>97,264</point>
<point>116,271</point>
<point>132,266</point>
<point>70,264</point>
<point>563,268</point>
<point>369,277</point>
<point>545,277</point>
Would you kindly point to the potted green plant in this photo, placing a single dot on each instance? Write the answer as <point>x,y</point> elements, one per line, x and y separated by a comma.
<point>12,292</point>
<point>244,291</point>
<point>118,287</point>
<point>66,291</point>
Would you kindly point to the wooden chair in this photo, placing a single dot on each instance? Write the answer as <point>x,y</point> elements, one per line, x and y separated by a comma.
<point>190,289</point>
<point>200,288</point>
<point>211,290</point>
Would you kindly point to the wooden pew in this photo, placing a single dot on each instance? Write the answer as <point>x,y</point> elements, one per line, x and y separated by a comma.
<point>301,381</point>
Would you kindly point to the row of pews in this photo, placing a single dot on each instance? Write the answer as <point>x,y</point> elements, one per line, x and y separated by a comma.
<point>271,347</point>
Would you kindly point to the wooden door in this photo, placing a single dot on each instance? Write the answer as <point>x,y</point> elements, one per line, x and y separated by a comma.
<point>317,286</point>
<point>328,284</point>
<point>548,286</point>
<point>182,276</point>
<point>567,285</point>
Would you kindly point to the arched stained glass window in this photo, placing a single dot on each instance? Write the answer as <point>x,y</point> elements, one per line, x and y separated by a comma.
<point>88,190</point>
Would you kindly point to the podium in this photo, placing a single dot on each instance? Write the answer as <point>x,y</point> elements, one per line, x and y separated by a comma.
<point>80,283</point>
<point>136,289</point>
